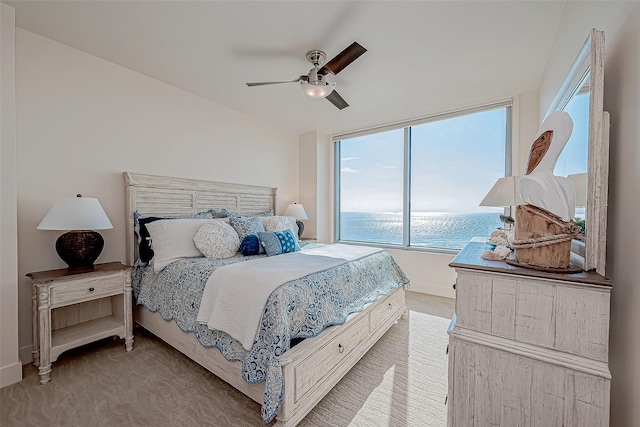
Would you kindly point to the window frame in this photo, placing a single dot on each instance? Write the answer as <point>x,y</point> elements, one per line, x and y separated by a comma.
<point>407,125</point>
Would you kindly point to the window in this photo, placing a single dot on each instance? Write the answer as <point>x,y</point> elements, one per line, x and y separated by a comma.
<point>420,185</point>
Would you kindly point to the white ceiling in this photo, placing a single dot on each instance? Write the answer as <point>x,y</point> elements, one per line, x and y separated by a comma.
<point>424,57</point>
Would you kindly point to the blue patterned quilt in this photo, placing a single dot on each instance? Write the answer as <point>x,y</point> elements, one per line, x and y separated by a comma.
<point>301,308</point>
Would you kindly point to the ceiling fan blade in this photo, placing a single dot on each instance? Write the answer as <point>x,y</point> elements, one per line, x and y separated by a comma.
<point>335,98</point>
<point>276,83</point>
<point>344,58</point>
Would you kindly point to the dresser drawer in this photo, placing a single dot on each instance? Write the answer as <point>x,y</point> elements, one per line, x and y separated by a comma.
<point>558,315</point>
<point>386,310</point>
<point>82,290</point>
<point>320,364</point>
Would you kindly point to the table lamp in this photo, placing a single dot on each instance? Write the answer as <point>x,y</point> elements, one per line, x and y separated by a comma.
<point>80,246</point>
<point>296,210</point>
<point>504,193</point>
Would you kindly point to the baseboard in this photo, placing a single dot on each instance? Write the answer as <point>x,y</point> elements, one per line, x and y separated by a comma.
<point>10,374</point>
<point>433,289</point>
<point>24,353</point>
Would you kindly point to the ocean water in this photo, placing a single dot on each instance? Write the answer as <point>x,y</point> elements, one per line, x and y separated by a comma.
<point>443,230</point>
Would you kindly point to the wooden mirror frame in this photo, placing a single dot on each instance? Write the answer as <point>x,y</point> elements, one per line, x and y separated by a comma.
<point>590,61</point>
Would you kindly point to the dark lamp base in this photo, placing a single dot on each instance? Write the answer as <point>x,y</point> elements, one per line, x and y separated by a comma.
<point>300,228</point>
<point>79,249</point>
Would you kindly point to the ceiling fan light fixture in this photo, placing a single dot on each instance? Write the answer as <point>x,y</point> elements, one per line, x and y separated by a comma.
<point>320,89</point>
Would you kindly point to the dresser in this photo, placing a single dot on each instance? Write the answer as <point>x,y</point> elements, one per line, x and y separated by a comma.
<point>528,348</point>
<point>75,307</point>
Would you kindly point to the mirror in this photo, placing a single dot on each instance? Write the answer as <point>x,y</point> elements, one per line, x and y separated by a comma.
<point>581,95</point>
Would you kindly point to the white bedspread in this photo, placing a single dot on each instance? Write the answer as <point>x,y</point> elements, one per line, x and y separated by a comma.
<point>235,295</point>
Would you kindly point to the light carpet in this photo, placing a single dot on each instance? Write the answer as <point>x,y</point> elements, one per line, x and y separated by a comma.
<point>401,381</point>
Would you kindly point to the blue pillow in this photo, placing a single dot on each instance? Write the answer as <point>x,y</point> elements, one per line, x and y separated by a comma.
<point>278,242</point>
<point>250,245</point>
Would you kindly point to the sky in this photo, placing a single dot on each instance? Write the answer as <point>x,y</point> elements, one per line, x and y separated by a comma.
<point>454,163</point>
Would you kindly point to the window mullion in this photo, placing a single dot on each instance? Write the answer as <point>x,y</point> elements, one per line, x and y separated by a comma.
<point>406,211</point>
<point>336,211</point>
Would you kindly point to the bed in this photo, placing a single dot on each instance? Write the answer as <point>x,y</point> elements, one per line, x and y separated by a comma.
<point>294,381</point>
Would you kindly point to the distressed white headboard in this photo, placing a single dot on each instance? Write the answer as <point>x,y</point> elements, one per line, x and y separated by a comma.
<point>153,195</point>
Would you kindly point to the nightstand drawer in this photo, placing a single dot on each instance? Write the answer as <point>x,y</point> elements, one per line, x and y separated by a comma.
<point>86,289</point>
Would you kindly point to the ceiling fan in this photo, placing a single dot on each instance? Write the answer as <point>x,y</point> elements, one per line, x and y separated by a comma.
<point>315,84</point>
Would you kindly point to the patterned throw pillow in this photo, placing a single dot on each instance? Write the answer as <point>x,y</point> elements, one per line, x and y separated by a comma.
<point>279,223</point>
<point>228,214</point>
<point>246,225</point>
<point>217,239</point>
<point>278,242</point>
<point>250,245</point>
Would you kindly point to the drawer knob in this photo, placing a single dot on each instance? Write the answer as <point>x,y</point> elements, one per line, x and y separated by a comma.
<point>390,306</point>
<point>340,348</point>
<point>91,289</point>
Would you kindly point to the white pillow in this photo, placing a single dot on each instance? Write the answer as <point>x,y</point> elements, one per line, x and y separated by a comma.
<point>172,239</point>
<point>280,223</point>
<point>217,240</point>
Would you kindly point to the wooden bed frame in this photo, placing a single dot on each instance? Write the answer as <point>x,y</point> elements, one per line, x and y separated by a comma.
<point>311,368</point>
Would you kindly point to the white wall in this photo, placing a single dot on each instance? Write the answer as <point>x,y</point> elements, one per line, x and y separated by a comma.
<point>10,366</point>
<point>622,100</point>
<point>82,121</point>
<point>621,24</point>
<point>308,182</point>
<point>525,123</point>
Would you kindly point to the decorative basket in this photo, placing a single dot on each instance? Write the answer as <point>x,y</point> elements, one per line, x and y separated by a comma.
<point>541,238</point>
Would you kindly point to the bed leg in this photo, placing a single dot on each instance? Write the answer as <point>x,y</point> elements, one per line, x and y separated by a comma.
<point>403,316</point>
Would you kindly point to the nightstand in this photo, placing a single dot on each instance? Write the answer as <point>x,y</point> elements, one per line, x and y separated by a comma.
<point>75,307</point>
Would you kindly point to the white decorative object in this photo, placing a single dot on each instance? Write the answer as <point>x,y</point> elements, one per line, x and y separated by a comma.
<point>540,187</point>
<point>527,347</point>
<point>217,239</point>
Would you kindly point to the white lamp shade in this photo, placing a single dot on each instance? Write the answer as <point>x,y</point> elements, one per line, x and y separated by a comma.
<point>503,193</point>
<point>320,89</point>
<point>296,210</point>
<point>580,185</point>
<point>76,213</point>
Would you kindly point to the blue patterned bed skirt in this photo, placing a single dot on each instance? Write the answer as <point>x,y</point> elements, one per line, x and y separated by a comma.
<point>301,308</point>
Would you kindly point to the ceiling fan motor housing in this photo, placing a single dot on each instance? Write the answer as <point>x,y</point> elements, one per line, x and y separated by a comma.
<point>316,57</point>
